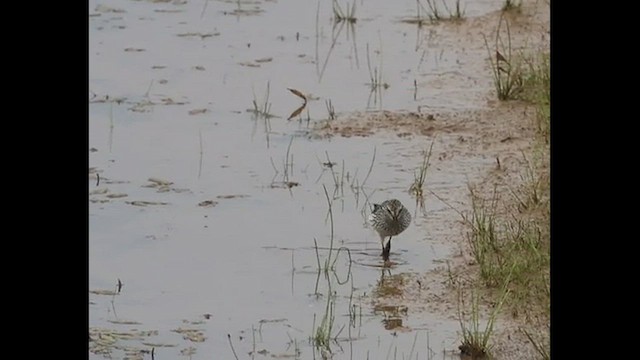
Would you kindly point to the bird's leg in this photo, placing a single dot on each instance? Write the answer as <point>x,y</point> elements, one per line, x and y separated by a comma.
<point>386,250</point>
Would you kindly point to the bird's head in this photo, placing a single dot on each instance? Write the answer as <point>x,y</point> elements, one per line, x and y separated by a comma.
<point>393,207</point>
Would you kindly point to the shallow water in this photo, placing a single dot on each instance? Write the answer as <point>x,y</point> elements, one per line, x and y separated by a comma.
<point>249,260</point>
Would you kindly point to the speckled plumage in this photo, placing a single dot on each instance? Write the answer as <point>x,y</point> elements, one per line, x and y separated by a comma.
<point>389,219</point>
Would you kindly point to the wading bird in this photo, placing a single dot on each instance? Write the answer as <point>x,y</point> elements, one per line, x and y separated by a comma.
<point>389,219</point>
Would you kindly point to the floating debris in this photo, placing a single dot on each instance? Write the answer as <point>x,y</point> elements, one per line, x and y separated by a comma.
<point>168,10</point>
<point>103,292</point>
<point>170,101</point>
<point>106,99</point>
<point>243,12</point>
<point>208,203</point>
<point>197,111</point>
<point>249,64</point>
<point>145,203</point>
<point>99,191</point>
<point>146,104</point>
<point>201,35</point>
<point>115,196</point>
<point>232,196</point>
<point>193,335</point>
<point>393,309</point>
<point>107,181</point>
<point>104,341</point>
<point>298,93</point>
<point>264,60</point>
<point>163,186</point>
<point>134,355</point>
<point>263,352</point>
<point>124,322</point>
<point>99,200</point>
<point>106,9</point>
<point>160,181</point>
<point>284,184</point>
<point>158,344</point>
<point>188,351</point>
<point>297,111</point>
<point>134,49</point>
<point>142,106</point>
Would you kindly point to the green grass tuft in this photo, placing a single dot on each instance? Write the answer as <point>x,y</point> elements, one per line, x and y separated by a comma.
<point>475,339</point>
<point>512,5</point>
<point>505,66</point>
<point>513,247</point>
<point>420,175</point>
<point>537,90</point>
<point>435,14</point>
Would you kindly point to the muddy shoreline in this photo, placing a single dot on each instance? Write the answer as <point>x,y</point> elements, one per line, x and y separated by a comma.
<point>504,133</point>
